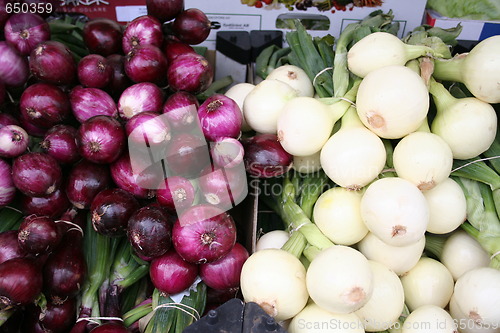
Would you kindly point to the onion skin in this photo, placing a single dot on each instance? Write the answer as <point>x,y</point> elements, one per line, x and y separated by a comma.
<point>45,105</point>
<point>53,62</point>
<point>7,188</point>
<point>14,70</point>
<point>101,139</point>
<point>181,110</point>
<point>85,180</point>
<point>148,128</point>
<point>192,26</point>
<point>36,174</point>
<point>143,30</point>
<point>187,155</point>
<point>52,205</point>
<point>119,80</point>
<point>223,188</point>
<point>225,272</point>
<point>220,116</point>
<point>110,328</point>
<point>177,195</point>
<point>59,317</point>
<point>164,10</point>
<point>150,231</point>
<point>172,48</point>
<point>9,246</point>
<point>227,152</point>
<point>265,157</point>
<point>171,274</point>
<point>146,63</point>
<point>191,73</point>
<point>38,235</point>
<point>203,233</point>
<point>20,282</point>
<point>102,36</point>
<point>25,31</point>
<point>140,97</point>
<point>94,71</point>
<point>90,102</point>
<point>61,143</point>
<point>13,141</point>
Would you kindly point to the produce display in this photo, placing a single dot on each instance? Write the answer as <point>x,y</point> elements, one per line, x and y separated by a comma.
<point>123,162</point>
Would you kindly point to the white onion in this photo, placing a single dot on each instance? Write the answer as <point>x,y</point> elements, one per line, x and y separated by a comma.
<point>238,93</point>
<point>307,164</point>
<point>295,76</point>
<point>468,325</point>
<point>429,319</point>
<point>273,239</point>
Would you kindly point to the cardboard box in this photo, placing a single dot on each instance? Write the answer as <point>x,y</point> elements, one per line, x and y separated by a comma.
<point>232,15</point>
<point>122,11</point>
<point>472,30</point>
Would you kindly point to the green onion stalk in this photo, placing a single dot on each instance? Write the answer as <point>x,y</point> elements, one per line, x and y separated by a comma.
<point>10,218</point>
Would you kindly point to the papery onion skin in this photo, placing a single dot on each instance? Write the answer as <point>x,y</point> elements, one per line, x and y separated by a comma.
<point>227,152</point>
<point>140,97</point>
<point>85,180</point>
<point>7,188</point>
<point>25,31</point>
<point>14,70</point>
<point>38,234</point>
<point>36,174</point>
<point>101,139</point>
<point>89,102</point>
<point>177,195</point>
<point>187,155</point>
<point>61,143</point>
<point>223,188</point>
<point>143,30</point>
<point>220,116</point>
<point>102,36</point>
<point>53,62</point>
<point>192,26</point>
<point>171,274</point>
<point>52,205</point>
<point>146,63</point>
<point>13,141</point>
<point>59,317</point>
<point>94,71</point>
<point>9,246</point>
<point>181,110</point>
<point>190,72</point>
<point>20,281</point>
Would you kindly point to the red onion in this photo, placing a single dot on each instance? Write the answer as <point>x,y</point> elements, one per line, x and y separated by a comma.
<point>13,141</point>
<point>191,26</point>
<point>223,188</point>
<point>101,139</point>
<point>187,155</point>
<point>181,110</point>
<point>103,36</point>
<point>59,317</point>
<point>90,102</point>
<point>110,328</point>
<point>111,210</point>
<point>38,234</point>
<point>52,205</point>
<point>45,105</point>
<point>14,70</point>
<point>171,274</point>
<point>164,10</point>
<point>7,188</point>
<point>146,63</point>
<point>8,119</point>
<point>190,72</point>
<point>20,282</point>
<point>9,246</point>
<point>140,97</point>
<point>150,231</point>
<point>36,174</point>
<point>53,62</point>
<point>177,195</point>
<point>147,128</point>
<point>219,296</point>
<point>85,180</point>
<point>227,152</point>
<point>130,174</point>
<point>143,30</point>
<point>203,233</point>
<point>225,272</point>
<point>3,12</point>
<point>94,71</point>
<point>172,48</point>
<point>25,31</point>
<point>30,128</point>
<point>220,116</point>
<point>265,157</point>
<point>119,80</point>
<point>60,142</point>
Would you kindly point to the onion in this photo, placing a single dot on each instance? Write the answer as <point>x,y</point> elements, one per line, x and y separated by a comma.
<point>173,47</point>
<point>191,26</point>
<point>38,235</point>
<point>223,188</point>
<point>20,282</point>
<point>220,117</point>
<point>150,231</point>
<point>265,157</point>
<point>13,141</point>
<point>101,139</point>
<point>273,239</point>
<point>177,195</point>
<point>203,233</point>
<point>7,188</point>
<point>148,128</point>
<point>225,272</point>
<point>45,105</point>
<point>140,97</point>
<point>36,174</point>
<point>8,119</point>
<point>190,72</point>
<point>14,70</point>
<point>103,36</point>
<point>399,259</point>
<point>60,142</point>
<point>181,110</point>
<point>238,93</point>
<point>52,205</point>
<point>430,318</point>
<point>90,102</point>
<point>429,282</point>
<point>171,274</point>
<point>143,30</point>
<point>84,181</point>
<point>392,101</point>
<point>164,10</point>
<point>110,328</point>
<point>276,281</point>
<point>53,62</point>
<point>3,12</point>
<point>25,31</point>
<point>94,71</point>
<point>307,164</point>
<point>30,128</point>
<point>187,155</point>
<point>59,316</point>
<point>294,76</point>
<point>9,246</point>
<point>337,214</point>
<point>119,79</point>
<point>146,63</point>
<point>339,279</point>
<point>395,210</point>
<point>465,324</point>
<point>227,152</point>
